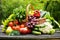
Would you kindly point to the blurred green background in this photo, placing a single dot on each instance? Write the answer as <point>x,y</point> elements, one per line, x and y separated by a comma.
<point>7,7</point>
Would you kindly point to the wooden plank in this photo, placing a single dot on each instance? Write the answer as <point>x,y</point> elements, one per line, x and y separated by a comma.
<point>30,36</point>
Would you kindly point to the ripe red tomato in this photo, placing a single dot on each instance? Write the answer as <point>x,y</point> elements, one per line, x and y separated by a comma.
<point>16,22</point>
<point>22,26</point>
<point>10,24</point>
<point>16,27</point>
<point>24,30</point>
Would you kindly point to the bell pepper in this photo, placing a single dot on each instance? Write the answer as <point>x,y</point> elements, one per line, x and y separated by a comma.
<point>36,13</point>
<point>31,12</point>
<point>9,30</point>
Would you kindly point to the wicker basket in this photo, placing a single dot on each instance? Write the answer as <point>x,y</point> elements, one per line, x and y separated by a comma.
<point>40,20</point>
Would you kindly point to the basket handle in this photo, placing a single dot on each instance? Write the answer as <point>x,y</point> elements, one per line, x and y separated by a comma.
<point>27,10</point>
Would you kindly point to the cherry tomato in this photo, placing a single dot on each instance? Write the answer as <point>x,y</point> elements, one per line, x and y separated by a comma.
<point>10,24</point>
<point>16,27</point>
<point>22,26</point>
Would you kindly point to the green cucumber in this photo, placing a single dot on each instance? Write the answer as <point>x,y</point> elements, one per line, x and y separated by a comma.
<point>36,29</point>
<point>36,32</point>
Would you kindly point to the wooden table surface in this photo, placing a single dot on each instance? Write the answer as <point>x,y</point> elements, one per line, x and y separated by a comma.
<point>30,36</point>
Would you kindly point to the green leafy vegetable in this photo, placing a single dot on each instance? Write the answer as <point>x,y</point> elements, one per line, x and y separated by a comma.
<point>54,22</point>
<point>53,6</point>
<point>5,23</point>
<point>14,33</point>
<point>20,13</point>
